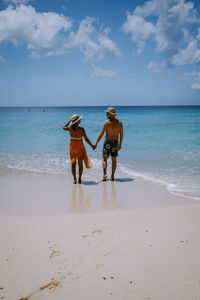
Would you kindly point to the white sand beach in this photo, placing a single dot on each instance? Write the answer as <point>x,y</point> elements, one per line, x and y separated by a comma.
<point>127,239</point>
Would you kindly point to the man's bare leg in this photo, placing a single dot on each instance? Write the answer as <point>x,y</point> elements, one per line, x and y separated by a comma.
<point>104,164</point>
<point>73,168</point>
<point>114,165</point>
<point>80,165</point>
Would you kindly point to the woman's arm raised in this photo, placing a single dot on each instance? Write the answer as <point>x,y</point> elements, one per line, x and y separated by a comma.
<point>66,126</point>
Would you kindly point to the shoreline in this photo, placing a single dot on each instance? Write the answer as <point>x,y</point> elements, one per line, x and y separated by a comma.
<point>122,172</point>
<point>42,193</point>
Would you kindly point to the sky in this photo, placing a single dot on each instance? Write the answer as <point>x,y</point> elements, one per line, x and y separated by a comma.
<point>91,52</point>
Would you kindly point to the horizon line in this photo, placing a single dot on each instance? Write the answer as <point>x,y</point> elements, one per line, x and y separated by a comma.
<point>53,106</point>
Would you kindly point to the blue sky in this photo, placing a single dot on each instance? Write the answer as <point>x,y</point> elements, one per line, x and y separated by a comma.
<point>91,52</point>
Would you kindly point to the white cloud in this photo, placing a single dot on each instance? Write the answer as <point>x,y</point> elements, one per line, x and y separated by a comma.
<point>194,75</point>
<point>40,32</point>
<point>167,22</point>
<point>155,67</point>
<point>139,29</point>
<point>195,86</point>
<point>189,55</point>
<point>50,33</point>
<point>101,73</point>
<point>147,9</point>
<point>2,60</point>
<point>92,43</point>
<point>108,46</point>
<point>82,38</point>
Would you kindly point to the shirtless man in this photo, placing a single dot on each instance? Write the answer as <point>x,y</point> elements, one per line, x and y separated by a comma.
<point>112,128</point>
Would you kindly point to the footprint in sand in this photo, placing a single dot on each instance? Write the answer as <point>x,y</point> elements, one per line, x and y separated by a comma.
<point>55,253</point>
<point>2,297</point>
<point>108,253</point>
<point>84,235</point>
<point>93,232</point>
<point>53,285</point>
<point>111,277</point>
<point>184,240</point>
<point>97,231</point>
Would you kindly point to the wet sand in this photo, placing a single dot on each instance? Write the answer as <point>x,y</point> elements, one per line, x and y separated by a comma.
<point>24,193</point>
<point>128,239</point>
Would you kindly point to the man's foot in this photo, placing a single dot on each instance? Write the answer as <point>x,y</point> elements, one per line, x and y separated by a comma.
<point>104,177</point>
<point>79,180</point>
<point>112,178</point>
<point>74,182</point>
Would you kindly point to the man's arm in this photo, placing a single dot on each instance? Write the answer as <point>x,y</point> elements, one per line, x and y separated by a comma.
<point>66,127</point>
<point>86,138</point>
<point>121,135</point>
<point>100,135</point>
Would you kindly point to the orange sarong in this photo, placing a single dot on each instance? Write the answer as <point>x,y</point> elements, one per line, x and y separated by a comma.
<point>76,150</point>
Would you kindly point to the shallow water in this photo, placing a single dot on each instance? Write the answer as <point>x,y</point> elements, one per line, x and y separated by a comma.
<point>161,144</point>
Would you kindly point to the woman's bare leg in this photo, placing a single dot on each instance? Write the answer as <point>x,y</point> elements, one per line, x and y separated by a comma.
<point>73,169</point>
<point>80,164</point>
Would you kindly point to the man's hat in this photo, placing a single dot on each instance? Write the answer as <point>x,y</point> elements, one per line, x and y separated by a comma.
<point>111,110</point>
<point>74,119</point>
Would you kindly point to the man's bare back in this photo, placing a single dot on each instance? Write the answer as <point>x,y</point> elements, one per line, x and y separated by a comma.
<point>112,128</point>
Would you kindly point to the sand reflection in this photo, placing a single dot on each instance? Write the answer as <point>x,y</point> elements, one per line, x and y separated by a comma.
<point>87,198</point>
<point>109,199</point>
<point>79,202</point>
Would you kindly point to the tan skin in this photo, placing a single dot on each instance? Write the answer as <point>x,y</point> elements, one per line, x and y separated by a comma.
<point>78,133</point>
<point>112,129</point>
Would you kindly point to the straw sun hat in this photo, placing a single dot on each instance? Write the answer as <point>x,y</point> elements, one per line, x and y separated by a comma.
<point>111,110</point>
<point>74,119</point>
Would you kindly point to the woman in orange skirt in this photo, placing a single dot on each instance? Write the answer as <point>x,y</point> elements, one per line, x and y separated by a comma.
<point>77,149</point>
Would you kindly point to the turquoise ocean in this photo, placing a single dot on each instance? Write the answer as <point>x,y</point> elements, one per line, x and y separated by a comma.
<point>161,144</point>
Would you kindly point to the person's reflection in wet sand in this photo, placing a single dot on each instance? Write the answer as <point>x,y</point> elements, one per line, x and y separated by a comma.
<point>109,202</point>
<point>78,201</point>
<point>104,195</point>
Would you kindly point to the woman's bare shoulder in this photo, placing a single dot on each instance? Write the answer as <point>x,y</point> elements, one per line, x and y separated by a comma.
<point>81,130</point>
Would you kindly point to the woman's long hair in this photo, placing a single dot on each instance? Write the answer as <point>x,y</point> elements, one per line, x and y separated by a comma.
<point>73,126</point>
